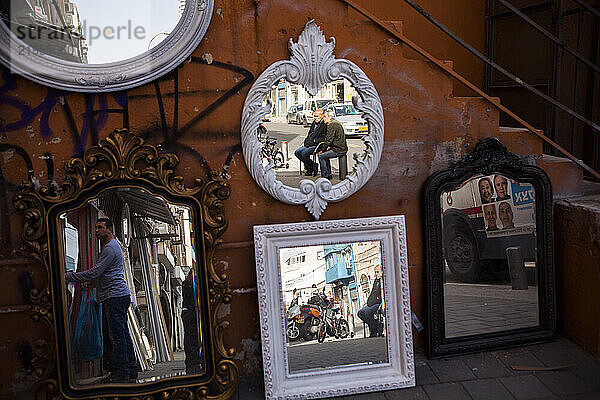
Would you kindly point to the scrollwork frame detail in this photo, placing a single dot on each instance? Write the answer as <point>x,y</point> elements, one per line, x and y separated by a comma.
<point>123,157</point>
<point>313,64</point>
<point>121,75</point>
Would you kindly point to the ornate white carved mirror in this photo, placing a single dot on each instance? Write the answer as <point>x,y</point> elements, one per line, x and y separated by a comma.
<point>334,307</point>
<point>312,126</point>
<point>81,46</point>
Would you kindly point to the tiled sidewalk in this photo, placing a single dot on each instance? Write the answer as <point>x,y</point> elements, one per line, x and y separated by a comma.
<point>489,376</point>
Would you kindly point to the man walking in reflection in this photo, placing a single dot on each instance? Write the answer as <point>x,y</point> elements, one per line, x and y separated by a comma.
<point>367,313</point>
<point>114,295</point>
<point>316,134</point>
<point>334,145</point>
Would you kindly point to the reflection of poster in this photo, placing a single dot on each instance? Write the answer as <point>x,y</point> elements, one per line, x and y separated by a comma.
<point>512,207</point>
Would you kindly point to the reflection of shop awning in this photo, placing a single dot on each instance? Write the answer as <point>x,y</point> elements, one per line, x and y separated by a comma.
<point>144,204</point>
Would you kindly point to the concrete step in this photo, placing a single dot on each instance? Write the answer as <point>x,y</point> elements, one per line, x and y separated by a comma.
<point>565,175</point>
<point>520,141</point>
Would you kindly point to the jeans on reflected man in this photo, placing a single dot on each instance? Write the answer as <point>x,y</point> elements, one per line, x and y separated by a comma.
<point>303,154</point>
<point>366,314</point>
<point>123,362</point>
<point>326,164</point>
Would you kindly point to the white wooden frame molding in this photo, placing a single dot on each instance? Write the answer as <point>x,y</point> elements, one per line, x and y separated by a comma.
<point>312,64</point>
<point>120,75</point>
<point>398,372</point>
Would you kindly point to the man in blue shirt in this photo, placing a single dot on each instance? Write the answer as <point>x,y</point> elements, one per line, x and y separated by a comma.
<point>113,293</point>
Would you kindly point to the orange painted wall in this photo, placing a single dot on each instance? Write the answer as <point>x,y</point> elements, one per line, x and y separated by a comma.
<point>426,127</point>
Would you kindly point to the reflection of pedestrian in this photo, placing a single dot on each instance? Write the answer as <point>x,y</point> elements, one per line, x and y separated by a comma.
<point>501,186</point>
<point>114,295</point>
<point>295,298</point>
<point>506,215</point>
<point>367,313</point>
<point>316,134</point>
<point>334,145</point>
<point>489,211</point>
<point>191,336</point>
<point>485,190</point>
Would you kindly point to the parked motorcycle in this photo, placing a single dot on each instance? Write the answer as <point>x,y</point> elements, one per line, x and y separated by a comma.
<point>293,326</point>
<point>342,328</point>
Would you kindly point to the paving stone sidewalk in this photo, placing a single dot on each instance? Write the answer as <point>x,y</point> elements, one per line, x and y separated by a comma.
<point>489,376</point>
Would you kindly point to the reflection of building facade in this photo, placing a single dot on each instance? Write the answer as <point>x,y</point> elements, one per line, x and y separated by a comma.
<point>340,273</point>
<point>367,256</point>
<point>53,27</point>
<point>284,95</point>
<point>300,270</point>
<point>181,7</point>
<point>157,244</point>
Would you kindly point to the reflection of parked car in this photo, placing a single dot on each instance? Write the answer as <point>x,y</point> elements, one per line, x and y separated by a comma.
<point>350,118</point>
<point>310,105</point>
<point>294,114</point>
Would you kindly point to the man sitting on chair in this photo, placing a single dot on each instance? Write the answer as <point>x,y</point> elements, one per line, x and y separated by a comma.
<point>367,313</point>
<point>334,145</point>
<point>316,134</point>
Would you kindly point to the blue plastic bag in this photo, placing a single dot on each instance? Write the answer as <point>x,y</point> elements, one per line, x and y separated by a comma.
<point>87,343</point>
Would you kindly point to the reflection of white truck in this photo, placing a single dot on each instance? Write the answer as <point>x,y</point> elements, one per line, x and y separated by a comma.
<point>476,233</point>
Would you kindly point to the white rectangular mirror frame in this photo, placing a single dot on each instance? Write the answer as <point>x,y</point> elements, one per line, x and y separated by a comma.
<point>398,372</point>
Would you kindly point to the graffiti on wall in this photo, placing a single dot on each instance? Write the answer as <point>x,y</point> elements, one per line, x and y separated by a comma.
<point>84,127</point>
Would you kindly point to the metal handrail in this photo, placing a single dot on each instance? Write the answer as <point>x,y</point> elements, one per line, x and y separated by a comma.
<point>392,31</point>
<point>588,7</point>
<point>550,36</point>
<point>497,67</point>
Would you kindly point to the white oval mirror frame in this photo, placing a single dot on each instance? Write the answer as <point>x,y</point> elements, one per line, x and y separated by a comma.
<point>146,67</point>
<point>312,64</point>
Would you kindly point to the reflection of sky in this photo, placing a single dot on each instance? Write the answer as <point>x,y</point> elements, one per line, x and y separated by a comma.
<point>155,16</point>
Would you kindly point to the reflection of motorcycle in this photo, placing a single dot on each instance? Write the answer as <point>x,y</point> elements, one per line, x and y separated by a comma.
<point>341,325</point>
<point>293,327</point>
<point>309,320</point>
<point>333,323</point>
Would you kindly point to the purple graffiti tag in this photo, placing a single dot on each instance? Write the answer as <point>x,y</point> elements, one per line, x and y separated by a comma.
<point>28,114</point>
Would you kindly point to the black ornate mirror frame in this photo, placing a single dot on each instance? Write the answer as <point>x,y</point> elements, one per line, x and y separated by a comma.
<point>489,157</point>
<point>122,159</point>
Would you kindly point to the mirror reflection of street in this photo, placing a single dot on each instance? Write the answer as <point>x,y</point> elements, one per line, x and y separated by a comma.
<point>292,136</point>
<point>153,258</point>
<point>327,129</point>
<point>326,288</point>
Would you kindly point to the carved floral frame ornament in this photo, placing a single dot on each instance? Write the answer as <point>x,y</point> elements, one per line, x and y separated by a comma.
<point>121,75</point>
<point>312,64</point>
<point>489,157</point>
<point>398,372</point>
<point>122,159</point>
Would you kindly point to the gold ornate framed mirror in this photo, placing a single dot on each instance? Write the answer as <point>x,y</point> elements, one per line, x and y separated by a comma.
<point>166,234</point>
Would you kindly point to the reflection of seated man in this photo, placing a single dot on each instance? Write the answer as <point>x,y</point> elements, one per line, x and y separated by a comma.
<point>316,134</point>
<point>489,212</point>
<point>367,313</point>
<point>191,336</point>
<point>334,145</point>
<point>506,215</point>
<point>114,296</point>
<point>501,185</point>
<point>485,190</point>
